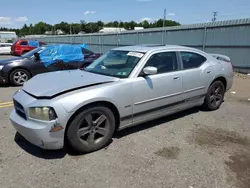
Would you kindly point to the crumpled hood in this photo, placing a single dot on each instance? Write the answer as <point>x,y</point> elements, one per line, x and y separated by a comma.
<point>10,60</point>
<point>49,85</point>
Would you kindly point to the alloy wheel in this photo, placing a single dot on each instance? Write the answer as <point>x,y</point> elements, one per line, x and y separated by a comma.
<point>216,95</point>
<point>93,128</point>
<point>20,77</point>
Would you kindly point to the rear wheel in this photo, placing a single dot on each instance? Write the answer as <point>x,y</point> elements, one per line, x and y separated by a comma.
<point>19,76</point>
<point>214,96</point>
<point>91,129</point>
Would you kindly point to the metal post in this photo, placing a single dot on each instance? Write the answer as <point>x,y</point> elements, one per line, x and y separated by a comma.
<point>204,38</point>
<point>117,39</point>
<point>100,46</point>
<point>90,43</point>
<point>163,26</point>
<point>166,36</point>
<point>138,39</point>
<point>102,43</point>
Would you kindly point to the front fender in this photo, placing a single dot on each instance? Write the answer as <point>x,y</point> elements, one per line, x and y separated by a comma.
<point>119,95</point>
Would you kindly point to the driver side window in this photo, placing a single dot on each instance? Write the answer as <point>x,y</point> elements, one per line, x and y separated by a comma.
<point>164,62</point>
<point>86,52</point>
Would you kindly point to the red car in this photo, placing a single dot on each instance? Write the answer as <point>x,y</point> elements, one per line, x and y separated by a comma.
<point>23,46</point>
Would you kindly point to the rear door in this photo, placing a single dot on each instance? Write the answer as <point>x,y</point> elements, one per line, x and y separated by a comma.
<point>1,48</point>
<point>23,46</point>
<point>5,48</point>
<point>196,70</point>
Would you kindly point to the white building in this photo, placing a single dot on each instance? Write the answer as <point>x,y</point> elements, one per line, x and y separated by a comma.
<point>112,30</point>
<point>58,32</point>
<point>34,36</point>
<point>138,28</point>
<point>7,36</point>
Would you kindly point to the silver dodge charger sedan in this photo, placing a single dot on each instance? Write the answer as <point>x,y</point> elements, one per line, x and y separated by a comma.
<point>124,87</point>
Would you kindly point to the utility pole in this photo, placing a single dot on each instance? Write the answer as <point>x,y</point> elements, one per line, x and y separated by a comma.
<point>164,17</point>
<point>214,16</point>
<point>70,28</point>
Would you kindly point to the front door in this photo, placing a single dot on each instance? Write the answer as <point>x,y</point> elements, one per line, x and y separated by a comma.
<point>154,94</point>
<point>36,66</point>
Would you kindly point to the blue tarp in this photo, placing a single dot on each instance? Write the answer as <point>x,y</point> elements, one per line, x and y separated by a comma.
<point>65,53</point>
<point>33,43</point>
<point>84,46</point>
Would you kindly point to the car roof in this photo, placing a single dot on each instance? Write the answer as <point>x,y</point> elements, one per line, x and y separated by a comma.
<point>151,47</point>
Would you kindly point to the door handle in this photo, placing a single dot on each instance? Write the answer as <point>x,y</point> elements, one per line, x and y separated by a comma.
<point>177,78</point>
<point>209,71</point>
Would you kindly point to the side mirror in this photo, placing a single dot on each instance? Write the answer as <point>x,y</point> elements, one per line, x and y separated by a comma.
<point>150,70</point>
<point>37,56</point>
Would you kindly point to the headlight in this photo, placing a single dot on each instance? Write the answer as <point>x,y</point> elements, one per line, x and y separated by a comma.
<point>1,67</point>
<point>42,113</point>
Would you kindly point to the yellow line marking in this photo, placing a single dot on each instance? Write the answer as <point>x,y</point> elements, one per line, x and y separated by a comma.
<point>3,103</point>
<point>8,105</point>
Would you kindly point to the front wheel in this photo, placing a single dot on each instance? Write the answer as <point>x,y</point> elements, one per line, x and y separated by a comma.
<point>91,129</point>
<point>19,76</point>
<point>214,96</point>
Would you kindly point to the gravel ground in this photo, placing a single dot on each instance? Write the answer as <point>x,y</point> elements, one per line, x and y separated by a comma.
<point>192,149</point>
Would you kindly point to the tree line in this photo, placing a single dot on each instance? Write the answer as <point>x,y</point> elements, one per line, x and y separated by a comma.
<point>90,27</point>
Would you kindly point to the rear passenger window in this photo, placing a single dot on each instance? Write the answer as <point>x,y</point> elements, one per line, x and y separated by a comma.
<point>192,60</point>
<point>24,43</point>
<point>86,52</point>
<point>164,62</point>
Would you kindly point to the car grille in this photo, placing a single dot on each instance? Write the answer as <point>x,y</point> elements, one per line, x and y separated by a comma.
<point>19,109</point>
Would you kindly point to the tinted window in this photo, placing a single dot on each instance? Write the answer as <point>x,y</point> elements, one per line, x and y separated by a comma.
<point>192,60</point>
<point>31,53</point>
<point>164,62</point>
<point>86,52</point>
<point>24,43</point>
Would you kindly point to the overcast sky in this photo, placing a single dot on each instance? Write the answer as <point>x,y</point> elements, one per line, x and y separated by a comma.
<point>14,13</point>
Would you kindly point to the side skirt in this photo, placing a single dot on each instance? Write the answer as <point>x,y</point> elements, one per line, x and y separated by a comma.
<point>159,112</point>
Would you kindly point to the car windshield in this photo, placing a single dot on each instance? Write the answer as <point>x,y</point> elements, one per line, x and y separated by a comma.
<point>31,53</point>
<point>115,63</point>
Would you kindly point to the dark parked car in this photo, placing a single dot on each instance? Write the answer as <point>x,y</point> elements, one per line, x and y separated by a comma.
<point>18,70</point>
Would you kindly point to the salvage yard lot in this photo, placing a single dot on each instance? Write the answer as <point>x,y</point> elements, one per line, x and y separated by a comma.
<point>189,149</point>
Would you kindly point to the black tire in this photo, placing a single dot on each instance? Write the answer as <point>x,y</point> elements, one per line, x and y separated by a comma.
<point>19,76</point>
<point>102,134</point>
<point>214,96</point>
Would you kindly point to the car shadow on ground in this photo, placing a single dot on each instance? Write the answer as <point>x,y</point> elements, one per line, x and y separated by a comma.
<point>58,154</point>
<point>4,85</point>
<point>8,86</point>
